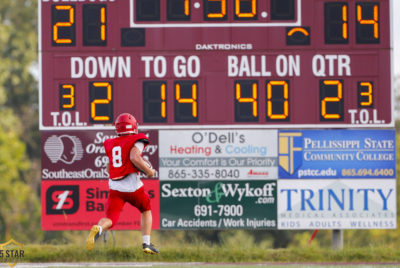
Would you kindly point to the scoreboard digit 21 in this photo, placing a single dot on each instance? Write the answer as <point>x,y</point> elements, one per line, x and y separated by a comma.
<point>215,63</point>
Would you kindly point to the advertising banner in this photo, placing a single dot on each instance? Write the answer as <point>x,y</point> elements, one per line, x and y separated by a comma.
<point>80,155</point>
<point>224,179</point>
<point>75,181</point>
<point>218,204</point>
<point>337,204</point>
<point>218,154</point>
<point>337,154</point>
<point>79,204</point>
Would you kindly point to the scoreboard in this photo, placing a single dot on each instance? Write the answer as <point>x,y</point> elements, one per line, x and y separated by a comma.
<point>250,105</point>
<point>215,63</point>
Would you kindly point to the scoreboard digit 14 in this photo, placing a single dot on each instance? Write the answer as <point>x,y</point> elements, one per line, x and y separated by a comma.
<point>215,63</point>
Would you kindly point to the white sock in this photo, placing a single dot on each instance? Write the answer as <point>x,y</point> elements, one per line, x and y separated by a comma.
<point>146,239</point>
<point>101,229</point>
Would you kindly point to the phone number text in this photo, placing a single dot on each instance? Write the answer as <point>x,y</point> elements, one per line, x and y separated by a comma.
<point>362,172</point>
<point>203,173</point>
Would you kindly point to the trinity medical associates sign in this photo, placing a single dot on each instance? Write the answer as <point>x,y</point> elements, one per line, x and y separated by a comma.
<point>337,179</point>
<point>337,204</point>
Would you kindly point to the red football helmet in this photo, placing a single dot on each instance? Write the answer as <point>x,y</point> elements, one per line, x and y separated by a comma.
<point>126,124</point>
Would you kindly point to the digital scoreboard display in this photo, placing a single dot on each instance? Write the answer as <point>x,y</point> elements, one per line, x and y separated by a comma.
<point>215,63</point>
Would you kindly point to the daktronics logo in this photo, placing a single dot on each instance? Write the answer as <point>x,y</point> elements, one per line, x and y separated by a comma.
<point>64,148</point>
<point>62,199</point>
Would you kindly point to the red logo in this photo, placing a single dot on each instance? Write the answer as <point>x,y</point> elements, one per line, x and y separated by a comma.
<point>62,199</point>
<point>257,173</point>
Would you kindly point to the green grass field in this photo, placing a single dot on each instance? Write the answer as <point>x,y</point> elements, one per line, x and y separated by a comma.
<point>197,265</point>
<point>209,254</point>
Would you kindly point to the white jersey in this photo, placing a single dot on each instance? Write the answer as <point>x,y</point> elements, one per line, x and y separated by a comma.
<point>130,183</point>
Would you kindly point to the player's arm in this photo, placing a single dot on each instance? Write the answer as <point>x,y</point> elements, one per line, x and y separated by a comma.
<point>137,160</point>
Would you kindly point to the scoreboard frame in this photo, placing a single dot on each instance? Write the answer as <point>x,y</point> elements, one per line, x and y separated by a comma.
<point>64,122</point>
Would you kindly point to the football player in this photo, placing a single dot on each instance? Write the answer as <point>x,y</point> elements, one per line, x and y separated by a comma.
<point>125,161</point>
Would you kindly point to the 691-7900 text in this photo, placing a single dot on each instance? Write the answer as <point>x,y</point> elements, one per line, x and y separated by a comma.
<point>221,210</point>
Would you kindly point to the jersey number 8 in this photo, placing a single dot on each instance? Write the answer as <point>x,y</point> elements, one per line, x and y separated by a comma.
<point>117,156</point>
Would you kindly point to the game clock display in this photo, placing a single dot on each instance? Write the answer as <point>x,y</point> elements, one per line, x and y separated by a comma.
<point>215,63</point>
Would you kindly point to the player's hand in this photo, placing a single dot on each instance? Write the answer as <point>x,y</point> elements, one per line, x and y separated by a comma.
<point>151,174</point>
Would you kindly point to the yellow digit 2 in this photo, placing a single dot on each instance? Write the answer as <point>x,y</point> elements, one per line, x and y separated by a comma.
<point>63,24</point>
<point>337,99</point>
<point>107,100</point>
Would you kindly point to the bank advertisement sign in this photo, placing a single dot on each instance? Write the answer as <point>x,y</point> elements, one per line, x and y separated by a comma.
<point>74,187</point>
<point>218,154</point>
<point>79,204</point>
<point>337,154</point>
<point>337,204</point>
<point>218,204</point>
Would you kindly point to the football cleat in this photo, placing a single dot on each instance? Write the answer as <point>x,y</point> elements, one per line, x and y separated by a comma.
<point>93,236</point>
<point>150,249</point>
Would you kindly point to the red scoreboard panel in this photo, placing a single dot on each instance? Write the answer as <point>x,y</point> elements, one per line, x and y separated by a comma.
<point>215,63</point>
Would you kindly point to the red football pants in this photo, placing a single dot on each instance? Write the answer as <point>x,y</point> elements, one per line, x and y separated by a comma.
<point>116,201</point>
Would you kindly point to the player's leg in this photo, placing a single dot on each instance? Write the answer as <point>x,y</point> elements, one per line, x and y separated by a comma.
<point>140,199</point>
<point>146,223</point>
<point>103,225</point>
<point>115,203</point>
